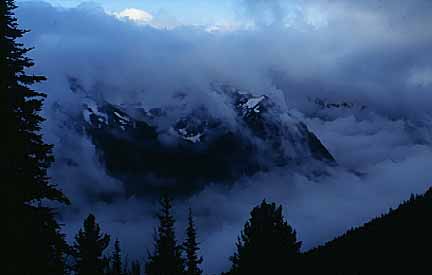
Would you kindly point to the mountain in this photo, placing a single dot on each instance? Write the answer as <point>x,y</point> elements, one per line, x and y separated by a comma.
<point>396,243</point>
<point>166,148</point>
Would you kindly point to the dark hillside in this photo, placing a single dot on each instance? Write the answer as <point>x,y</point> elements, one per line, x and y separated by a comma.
<point>398,242</point>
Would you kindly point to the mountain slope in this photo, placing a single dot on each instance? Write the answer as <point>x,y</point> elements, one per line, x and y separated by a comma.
<point>398,242</point>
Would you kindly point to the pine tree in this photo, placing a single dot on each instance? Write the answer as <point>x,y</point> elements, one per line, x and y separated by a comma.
<point>33,240</point>
<point>116,268</point>
<point>88,249</point>
<point>267,244</point>
<point>135,268</point>
<point>126,270</point>
<point>167,257</point>
<point>191,248</point>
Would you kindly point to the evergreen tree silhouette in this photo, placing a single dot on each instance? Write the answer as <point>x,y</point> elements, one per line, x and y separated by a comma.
<point>267,244</point>
<point>33,240</point>
<point>88,249</point>
<point>167,257</point>
<point>126,266</point>
<point>191,248</point>
<point>116,264</point>
<point>135,268</point>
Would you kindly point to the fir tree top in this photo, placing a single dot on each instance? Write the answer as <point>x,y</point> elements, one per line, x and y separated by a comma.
<point>88,248</point>
<point>191,247</point>
<point>167,258</point>
<point>116,268</point>
<point>267,244</point>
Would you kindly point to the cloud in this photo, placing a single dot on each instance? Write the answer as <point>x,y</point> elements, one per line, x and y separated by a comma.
<point>136,15</point>
<point>264,12</point>
<point>374,54</point>
<point>420,77</point>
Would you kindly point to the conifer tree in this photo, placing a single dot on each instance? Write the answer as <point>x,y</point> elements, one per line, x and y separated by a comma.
<point>135,268</point>
<point>33,242</point>
<point>167,256</point>
<point>191,248</point>
<point>267,244</point>
<point>126,270</point>
<point>88,249</point>
<point>116,264</point>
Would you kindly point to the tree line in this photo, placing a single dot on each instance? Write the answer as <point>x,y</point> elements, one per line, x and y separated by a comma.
<point>168,256</point>
<point>33,243</point>
<point>266,237</point>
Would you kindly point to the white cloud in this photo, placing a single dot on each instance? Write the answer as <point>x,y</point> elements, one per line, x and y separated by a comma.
<point>227,26</point>
<point>421,77</point>
<point>136,15</point>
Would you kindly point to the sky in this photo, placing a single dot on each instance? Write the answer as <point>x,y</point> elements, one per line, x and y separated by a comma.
<point>373,54</point>
<point>223,13</point>
<point>201,12</point>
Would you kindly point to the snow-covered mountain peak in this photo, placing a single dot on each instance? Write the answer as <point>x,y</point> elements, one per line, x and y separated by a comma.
<point>198,146</point>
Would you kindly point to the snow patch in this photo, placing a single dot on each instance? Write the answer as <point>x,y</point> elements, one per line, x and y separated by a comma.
<point>92,109</point>
<point>86,115</point>
<point>125,118</point>
<point>194,139</point>
<point>185,135</point>
<point>253,102</point>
